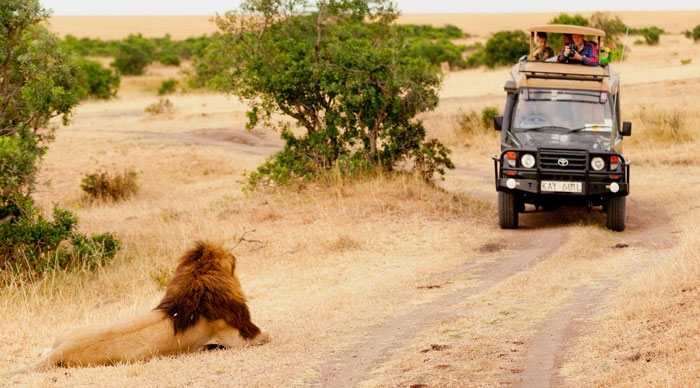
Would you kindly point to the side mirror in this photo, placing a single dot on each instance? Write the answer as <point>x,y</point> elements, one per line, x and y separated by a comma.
<point>497,122</point>
<point>626,128</point>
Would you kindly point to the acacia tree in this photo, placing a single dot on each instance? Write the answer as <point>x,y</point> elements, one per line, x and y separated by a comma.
<point>342,71</point>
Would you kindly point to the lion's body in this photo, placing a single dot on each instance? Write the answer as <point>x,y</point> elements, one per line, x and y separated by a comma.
<point>204,291</point>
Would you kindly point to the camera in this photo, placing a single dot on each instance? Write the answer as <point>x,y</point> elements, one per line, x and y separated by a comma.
<point>572,49</point>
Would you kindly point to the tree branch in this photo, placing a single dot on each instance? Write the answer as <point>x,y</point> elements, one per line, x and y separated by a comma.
<point>7,219</point>
<point>246,240</point>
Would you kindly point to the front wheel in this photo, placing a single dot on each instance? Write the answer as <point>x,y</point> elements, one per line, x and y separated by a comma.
<point>616,208</point>
<point>507,210</point>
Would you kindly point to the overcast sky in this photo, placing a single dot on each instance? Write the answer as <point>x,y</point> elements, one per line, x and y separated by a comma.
<point>210,7</point>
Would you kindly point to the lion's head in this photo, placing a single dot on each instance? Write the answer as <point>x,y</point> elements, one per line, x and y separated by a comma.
<point>204,285</point>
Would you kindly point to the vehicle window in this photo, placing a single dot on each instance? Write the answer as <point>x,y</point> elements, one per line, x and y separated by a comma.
<point>567,110</point>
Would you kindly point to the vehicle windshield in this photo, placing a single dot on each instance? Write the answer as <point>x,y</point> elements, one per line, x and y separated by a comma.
<point>584,111</point>
<point>563,116</point>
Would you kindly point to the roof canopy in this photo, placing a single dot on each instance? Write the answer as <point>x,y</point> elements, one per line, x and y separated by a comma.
<point>568,29</point>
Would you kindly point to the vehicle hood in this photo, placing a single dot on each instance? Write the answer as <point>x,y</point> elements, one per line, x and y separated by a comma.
<point>581,140</point>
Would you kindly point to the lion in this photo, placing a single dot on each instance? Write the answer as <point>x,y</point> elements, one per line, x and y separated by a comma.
<point>203,307</point>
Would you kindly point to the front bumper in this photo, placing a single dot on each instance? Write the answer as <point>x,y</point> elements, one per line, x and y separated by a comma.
<point>593,183</point>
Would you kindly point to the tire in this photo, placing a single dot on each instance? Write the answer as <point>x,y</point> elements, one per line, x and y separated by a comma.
<point>616,213</point>
<point>507,211</point>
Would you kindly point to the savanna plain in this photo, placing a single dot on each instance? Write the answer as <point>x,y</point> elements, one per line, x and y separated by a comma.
<point>384,281</point>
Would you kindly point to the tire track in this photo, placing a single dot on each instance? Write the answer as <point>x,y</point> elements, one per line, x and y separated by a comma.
<point>556,334</point>
<point>354,365</point>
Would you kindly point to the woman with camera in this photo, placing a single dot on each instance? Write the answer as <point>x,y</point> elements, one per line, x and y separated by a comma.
<point>579,51</point>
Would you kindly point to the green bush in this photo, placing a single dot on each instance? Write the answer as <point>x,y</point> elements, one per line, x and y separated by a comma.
<point>429,32</point>
<point>133,55</point>
<point>168,86</point>
<point>30,244</point>
<point>97,81</point>
<point>611,24</point>
<point>94,251</point>
<point>90,47</point>
<point>694,34</point>
<point>169,58</point>
<point>651,35</point>
<point>30,248</point>
<point>556,41</point>
<point>487,115</point>
<point>111,187</point>
<point>576,20</point>
<point>437,52</point>
<point>40,80</point>
<point>505,48</point>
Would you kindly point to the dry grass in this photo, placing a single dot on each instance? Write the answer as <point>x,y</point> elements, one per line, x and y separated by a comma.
<point>649,335</point>
<point>340,257</point>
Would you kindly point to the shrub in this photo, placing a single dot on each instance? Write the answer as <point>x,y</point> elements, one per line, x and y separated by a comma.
<point>487,115</point>
<point>576,20</point>
<point>162,106</point>
<point>556,41</point>
<point>104,186</point>
<point>40,80</point>
<point>438,52</point>
<point>92,252</point>
<point>611,24</point>
<point>429,32</point>
<point>90,47</point>
<point>167,86</point>
<point>133,55</point>
<point>472,123</point>
<point>169,57</point>
<point>97,81</point>
<point>694,34</point>
<point>650,34</point>
<point>505,48</point>
<point>686,61</point>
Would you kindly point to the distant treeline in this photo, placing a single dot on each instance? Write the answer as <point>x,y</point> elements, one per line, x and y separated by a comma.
<point>436,44</point>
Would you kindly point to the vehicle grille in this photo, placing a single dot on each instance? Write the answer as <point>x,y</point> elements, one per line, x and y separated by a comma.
<point>576,160</point>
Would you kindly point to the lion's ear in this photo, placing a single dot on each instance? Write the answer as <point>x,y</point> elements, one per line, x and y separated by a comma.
<point>232,262</point>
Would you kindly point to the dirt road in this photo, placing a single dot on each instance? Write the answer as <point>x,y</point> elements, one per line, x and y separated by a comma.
<point>519,251</point>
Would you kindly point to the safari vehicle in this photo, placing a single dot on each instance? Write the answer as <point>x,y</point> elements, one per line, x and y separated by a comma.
<point>561,136</point>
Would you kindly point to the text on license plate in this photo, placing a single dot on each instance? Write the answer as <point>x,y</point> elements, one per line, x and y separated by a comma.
<point>561,187</point>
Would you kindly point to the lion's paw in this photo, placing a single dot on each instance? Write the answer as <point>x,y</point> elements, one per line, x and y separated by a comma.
<point>261,338</point>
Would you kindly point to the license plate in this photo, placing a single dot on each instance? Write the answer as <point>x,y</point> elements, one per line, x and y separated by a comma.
<point>561,187</point>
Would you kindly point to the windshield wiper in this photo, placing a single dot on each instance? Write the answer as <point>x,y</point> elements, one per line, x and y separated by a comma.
<point>542,127</point>
<point>584,127</point>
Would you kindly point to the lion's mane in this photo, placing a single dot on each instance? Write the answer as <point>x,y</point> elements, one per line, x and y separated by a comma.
<point>201,288</point>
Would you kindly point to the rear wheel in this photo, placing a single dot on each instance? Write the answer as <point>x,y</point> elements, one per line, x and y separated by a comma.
<point>507,210</point>
<point>616,208</point>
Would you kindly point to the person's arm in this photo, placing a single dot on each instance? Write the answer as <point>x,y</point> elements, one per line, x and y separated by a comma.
<point>562,56</point>
<point>589,55</point>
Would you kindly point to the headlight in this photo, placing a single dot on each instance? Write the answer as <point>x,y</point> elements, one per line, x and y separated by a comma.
<point>527,161</point>
<point>597,163</point>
